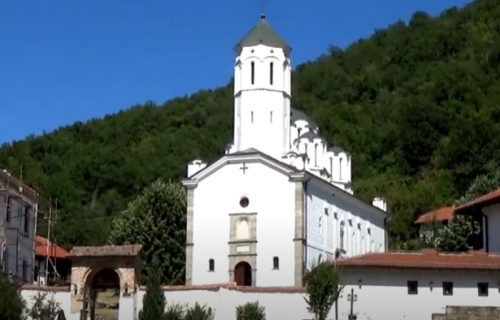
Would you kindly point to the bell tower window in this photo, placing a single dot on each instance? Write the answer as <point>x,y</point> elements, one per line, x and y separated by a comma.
<point>252,72</point>
<point>271,73</point>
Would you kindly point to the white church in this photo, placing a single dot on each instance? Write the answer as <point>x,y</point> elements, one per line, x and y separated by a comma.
<point>280,197</point>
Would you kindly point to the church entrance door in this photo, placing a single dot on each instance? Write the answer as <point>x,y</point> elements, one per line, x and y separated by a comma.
<point>243,274</point>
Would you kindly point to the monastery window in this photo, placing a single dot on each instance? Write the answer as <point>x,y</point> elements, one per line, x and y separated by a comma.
<point>211,265</point>
<point>25,270</point>
<point>412,287</point>
<point>276,263</point>
<point>315,155</point>
<point>341,238</point>
<point>271,117</point>
<point>8,210</point>
<point>340,169</point>
<point>251,116</point>
<point>482,289</point>
<point>331,166</point>
<point>447,288</point>
<point>242,229</point>
<point>252,72</point>
<point>298,132</point>
<point>320,225</point>
<point>244,202</point>
<point>271,73</point>
<point>26,217</point>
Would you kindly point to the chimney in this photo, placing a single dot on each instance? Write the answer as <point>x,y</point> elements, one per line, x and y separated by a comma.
<point>381,203</point>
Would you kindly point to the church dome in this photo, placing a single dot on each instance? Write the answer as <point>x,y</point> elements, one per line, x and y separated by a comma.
<point>263,34</point>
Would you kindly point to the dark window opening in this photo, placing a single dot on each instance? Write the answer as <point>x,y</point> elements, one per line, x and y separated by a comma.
<point>244,202</point>
<point>447,288</point>
<point>271,73</point>
<point>8,210</point>
<point>276,263</point>
<point>211,265</point>
<point>252,66</point>
<point>35,273</point>
<point>482,289</point>
<point>412,287</point>
<point>25,271</point>
<point>26,218</point>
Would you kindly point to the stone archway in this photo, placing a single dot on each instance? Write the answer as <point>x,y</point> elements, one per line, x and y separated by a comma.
<point>104,293</point>
<point>105,268</point>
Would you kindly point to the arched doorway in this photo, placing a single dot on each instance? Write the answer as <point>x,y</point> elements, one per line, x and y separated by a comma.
<point>104,295</point>
<point>243,274</point>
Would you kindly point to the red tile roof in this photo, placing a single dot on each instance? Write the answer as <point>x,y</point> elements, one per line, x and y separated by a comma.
<point>424,260</point>
<point>441,214</point>
<point>483,201</point>
<point>42,245</point>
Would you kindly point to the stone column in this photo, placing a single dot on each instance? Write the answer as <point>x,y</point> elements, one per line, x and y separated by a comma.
<point>189,235</point>
<point>299,234</point>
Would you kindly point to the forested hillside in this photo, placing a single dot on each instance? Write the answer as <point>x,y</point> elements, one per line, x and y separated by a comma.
<point>416,104</point>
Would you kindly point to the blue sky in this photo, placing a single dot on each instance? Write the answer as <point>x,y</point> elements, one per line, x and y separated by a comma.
<point>70,60</point>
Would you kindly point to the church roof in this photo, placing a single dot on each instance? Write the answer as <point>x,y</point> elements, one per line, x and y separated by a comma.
<point>262,33</point>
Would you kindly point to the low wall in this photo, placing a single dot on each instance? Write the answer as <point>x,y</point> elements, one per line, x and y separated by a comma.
<point>279,302</point>
<point>469,313</point>
<point>60,294</point>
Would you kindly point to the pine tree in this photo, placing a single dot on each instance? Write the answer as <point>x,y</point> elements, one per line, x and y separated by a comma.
<point>153,303</point>
<point>11,302</point>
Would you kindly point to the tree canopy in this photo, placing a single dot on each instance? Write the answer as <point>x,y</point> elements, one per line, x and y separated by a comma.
<point>157,220</point>
<point>415,104</point>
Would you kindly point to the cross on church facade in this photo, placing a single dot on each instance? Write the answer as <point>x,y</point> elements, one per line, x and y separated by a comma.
<point>244,168</point>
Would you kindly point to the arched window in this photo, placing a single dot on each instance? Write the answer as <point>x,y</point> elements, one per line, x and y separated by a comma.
<point>276,263</point>
<point>331,167</point>
<point>252,71</point>
<point>341,238</point>
<point>340,169</point>
<point>242,229</point>
<point>211,265</point>
<point>271,73</point>
<point>315,155</point>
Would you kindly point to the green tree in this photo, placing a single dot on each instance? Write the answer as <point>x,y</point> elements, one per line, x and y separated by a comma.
<point>323,288</point>
<point>11,303</point>
<point>157,220</point>
<point>250,311</point>
<point>153,303</point>
<point>457,235</point>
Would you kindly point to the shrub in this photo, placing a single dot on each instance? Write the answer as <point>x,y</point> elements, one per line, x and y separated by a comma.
<point>251,311</point>
<point>198,312</point>
<point>175,312</point>
<point>11,303</point>
<point>322,288</point>
<point>44,307</point>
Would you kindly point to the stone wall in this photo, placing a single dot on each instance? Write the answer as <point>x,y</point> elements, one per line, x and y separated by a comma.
<point>469,313</point>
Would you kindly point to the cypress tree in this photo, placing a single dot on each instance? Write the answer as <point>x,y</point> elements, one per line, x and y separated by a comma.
<point>153,304</point>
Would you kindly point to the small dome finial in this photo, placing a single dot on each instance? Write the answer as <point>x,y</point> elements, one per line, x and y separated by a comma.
<point>262,15</point>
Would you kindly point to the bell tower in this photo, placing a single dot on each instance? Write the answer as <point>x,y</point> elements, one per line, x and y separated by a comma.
<point>262,92</point>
